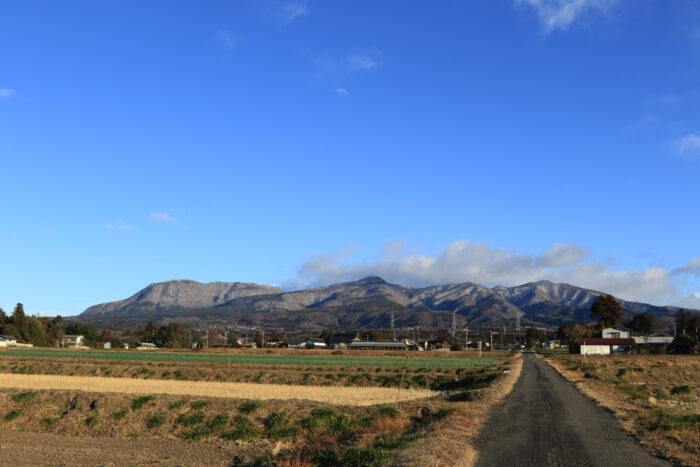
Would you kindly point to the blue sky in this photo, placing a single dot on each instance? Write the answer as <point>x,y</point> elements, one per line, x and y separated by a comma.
<point>301,143</point>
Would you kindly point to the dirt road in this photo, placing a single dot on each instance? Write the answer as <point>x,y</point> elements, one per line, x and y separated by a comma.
<point>546,421</point>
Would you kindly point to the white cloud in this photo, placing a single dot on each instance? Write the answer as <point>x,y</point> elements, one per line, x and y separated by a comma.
<point>692,268</point>
<point>688,145</point>
<point>226,39</point>
<point>121,227</point>
<point>327,65</point>
<point>163,217</point>
<point>361,62</point>
<point>561,14</point>
<point>341,91</point>
<point>466,261</point>
<point>6,93</point>
<point>289,11</point>
<point>283,12</point>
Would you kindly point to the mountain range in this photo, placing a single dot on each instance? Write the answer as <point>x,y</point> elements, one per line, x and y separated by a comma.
<point>368,303</point>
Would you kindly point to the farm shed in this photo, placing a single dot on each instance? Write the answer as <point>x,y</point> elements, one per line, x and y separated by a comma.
<point>604,346</point>
<point>72,340</point>
<point>378,345</point>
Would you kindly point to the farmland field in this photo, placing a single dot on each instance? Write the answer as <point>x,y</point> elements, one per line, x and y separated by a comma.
<point>282,408</point>
<point>289,358</point>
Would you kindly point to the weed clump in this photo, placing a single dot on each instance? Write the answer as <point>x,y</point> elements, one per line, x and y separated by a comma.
<point>24,397</point>
<point>244,430</point>
<point>12,414</point>
<point>198,434</point>
<point>190,419</point>
<point>119,414</point>
<point>174,405</point>
<point>155,421</point>
<point>48,422</point>
<point>387,412</point>
<point>219,422</point>
<point>248,407</point>
<point>279,425</point>
<point>198,405</point>
<point>92,421</point>
<point>139,402</point>
<point>680,390</point>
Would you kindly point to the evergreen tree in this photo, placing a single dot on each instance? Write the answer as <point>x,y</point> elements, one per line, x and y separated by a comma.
<point>19,319</point>
<point>3,316</point>
<point>607,310</point>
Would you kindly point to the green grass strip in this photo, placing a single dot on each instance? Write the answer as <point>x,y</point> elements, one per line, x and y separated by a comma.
<point>301,360</point>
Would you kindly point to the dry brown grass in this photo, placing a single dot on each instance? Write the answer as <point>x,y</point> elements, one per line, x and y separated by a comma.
<point>638,389</point>
<point>331,395</point>
<point>451,443</point>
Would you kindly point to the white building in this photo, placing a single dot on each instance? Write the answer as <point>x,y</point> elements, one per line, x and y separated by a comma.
<point>72,341</point>
<point>616,332</point>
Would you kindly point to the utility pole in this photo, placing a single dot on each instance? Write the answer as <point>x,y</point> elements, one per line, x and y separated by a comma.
<point>392,325</point>
<point>479,349</point>
<point>491,335</point>
<point>466,338</point>
<point>207,338</point>
<point>454,322</point>
<point>263,338</point>
<point>225,337</point>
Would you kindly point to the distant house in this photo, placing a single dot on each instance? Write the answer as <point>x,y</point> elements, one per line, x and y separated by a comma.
<point>104,345</point>
<point>146,346</point>
<point>343,340</point>
<point>604,345</point>
<point>315,343</point>
<point>440,344</point>
<point>72,341</point>
<point>654,339</point>
<point>616,332</point>
<point>6,340</point>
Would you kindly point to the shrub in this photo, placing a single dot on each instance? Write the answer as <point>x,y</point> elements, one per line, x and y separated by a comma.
<point>679,422</point>
<point>678,390</point>
<point>327,458</point>
<point>92,421</point>
<point>119,414</point>
<point>197,405</point>
<point>387,412</point>
<point>340,424</point>
<point>219,422</point>
<point>364,421</point>
<point>24,397</point>
<point>389,443</point>
<point>279,425</point>
<point>174,405</point>
<point>325,414</point>
<point>190,419</point>
<point>365,457</point>
<point>12,414</point>
<point>244,430</point>
<point>139,402</point>
<point>155,421</point>
<point>198,434</point>
<point>309,423</point>
<point>48,422</point>
<point>248,407</point>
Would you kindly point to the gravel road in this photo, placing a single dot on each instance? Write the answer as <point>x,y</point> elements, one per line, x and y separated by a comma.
<point>546,421</point>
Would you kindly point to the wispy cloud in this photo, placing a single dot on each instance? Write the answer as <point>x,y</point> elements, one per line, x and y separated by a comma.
<point>561,14</point>
<point>285,12</point>
<point>344,65</point>
<point>688,145</point>
<point>466,261</point>
<point>163,217</point>
<point>226,39</point>
<point>6,93</point>
<point>118,226</point>
<point>341,92</point>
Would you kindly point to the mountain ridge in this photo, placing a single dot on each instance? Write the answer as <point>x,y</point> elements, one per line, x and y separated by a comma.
<point>367,302</point>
